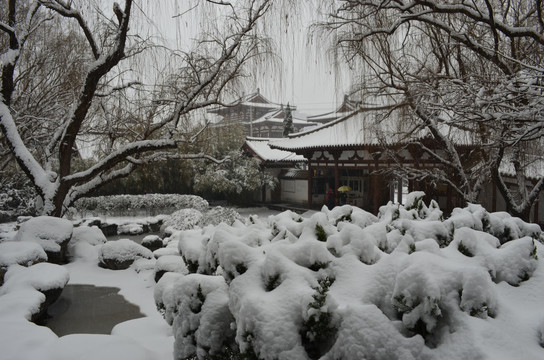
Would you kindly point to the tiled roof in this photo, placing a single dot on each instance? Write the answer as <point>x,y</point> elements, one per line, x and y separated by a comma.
<point>357,129</point>
<point>261,148</point>
<point>277,116</point>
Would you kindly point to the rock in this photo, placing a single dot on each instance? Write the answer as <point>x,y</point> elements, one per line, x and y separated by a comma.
<point>130,229</point>
<point>155,226</point>
<point>53,234</point>
<point>152,242</point>
<point>108,229</point>
<point>120,254</point>
<point>49,279</point>
<point>165,251</point>
<point>21,253</point>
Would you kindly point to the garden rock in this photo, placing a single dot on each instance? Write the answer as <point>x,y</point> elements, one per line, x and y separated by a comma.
<point>152,242</point>
<point>120,254</point>
<point>53,235</point>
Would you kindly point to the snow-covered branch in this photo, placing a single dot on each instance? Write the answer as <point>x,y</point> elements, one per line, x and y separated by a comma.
<point>66,10</point>
<point>118,156</point>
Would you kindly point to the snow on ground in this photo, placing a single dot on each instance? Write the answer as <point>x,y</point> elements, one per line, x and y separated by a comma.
<point>340,284</point>
<point>148,338</point>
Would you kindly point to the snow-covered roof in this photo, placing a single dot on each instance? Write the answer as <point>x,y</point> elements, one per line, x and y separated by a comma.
<point>357,129</point>
<point>534,169</point>
<point>261,149</point>
<point>348,106</point>
<point>255,99</point>
<point>277,116</point>
<point>294,174</point>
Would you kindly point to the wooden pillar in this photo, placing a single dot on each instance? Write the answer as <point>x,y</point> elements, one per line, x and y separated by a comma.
<point>376,191</point>
<point>310,177</point>
<point>399,189</point>
<point>336,178</point>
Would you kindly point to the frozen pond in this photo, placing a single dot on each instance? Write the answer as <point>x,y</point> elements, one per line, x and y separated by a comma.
<point>89,309</point>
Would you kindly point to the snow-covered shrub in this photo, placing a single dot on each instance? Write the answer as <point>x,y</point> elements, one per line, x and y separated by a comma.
<point>405,285</point>
<point>219,214</point>
<point>197,307</point>
<point>183,219</point>
<point>16,202</point>
<point>150,204</point>
<point>191,246</point>
<point>169,263</point>
<point>120,254</point>
<point>319,327</point>
<point>240,175</point>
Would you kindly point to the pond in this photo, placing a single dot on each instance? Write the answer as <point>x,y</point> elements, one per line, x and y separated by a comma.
<point>89,309</point>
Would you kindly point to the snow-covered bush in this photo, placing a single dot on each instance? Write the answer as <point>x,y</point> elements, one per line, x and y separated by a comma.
<point>120,254</point>
<point>197,307</point>
<point>169,263</point>
<point>240,175</point>
<point>16,202</point>
<point>150,204</point>
<point>219,214</point>
<point>344,284</point>
<point>183,219</point>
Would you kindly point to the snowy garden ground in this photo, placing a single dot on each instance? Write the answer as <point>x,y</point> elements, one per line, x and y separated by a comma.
<point>340,284</point>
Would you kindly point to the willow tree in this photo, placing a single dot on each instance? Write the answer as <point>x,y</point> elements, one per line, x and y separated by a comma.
<point>467,73</point>
<point>201,76</point>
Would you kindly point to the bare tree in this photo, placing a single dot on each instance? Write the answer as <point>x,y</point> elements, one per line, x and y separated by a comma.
<point>152,132</point>
<point>467,73</point>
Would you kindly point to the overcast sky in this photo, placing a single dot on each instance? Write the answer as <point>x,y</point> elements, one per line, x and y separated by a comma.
<point>305,76</point>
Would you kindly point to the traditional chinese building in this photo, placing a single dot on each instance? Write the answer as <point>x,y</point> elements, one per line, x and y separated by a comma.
<point>288,167</point>
<point>259,116</point>
<point>351,151</point>
<point>347,107</point>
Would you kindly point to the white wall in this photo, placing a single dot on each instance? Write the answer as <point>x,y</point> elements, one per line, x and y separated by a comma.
<point>295,191</point>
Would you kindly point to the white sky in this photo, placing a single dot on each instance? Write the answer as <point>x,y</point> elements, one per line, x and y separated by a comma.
<point>305,78</point>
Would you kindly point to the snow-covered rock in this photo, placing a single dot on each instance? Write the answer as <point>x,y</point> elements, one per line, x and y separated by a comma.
<point>22,253</point>
<point>47,279</point>
<point>89,234</point>
<point>120,254</point>
<point>53,235</point>
<point>152,242</point>
<point>130,229</point>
